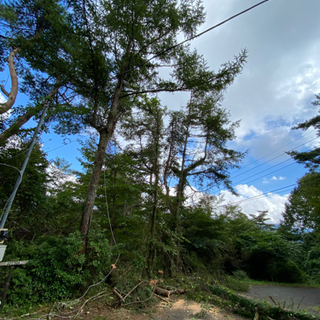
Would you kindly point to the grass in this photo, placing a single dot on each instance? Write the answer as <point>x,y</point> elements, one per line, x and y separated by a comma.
<point>235,284</point>
<point>12,311</point>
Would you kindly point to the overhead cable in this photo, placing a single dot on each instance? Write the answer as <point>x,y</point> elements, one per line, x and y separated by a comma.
<point>278,156</point>
<point>192,38</point>
<point>266,193</point>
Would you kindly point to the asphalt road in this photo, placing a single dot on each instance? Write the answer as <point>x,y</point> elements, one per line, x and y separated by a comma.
<point>289,297</point>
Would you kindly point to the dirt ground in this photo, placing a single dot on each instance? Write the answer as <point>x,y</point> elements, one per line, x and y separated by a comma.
<point>176,309</point>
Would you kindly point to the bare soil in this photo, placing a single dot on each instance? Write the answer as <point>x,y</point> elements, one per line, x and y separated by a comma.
<point>176,309</point>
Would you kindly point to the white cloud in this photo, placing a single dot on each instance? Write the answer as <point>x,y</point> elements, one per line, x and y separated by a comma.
<point>58,178</point>
<point>274,178</point>
<point>282,73</point>
<point>274,203</point>
<point>2,98</point>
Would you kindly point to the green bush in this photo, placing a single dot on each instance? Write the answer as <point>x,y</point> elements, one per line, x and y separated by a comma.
<point>237,285</point>
<point>97,257</point>
<point>290,272</point>
<point>53,273</point>
<point>240,275</point>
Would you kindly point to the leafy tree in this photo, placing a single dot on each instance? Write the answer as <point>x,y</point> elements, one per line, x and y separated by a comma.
<point>302,211</point>
<point>120,196</point>
<point>27,218</point>
<point>197,151</point>
<point>22,22</point>
<point>192,148</point>
<point>146,132</point>
<point>261,218</point>
<point>128,52</point>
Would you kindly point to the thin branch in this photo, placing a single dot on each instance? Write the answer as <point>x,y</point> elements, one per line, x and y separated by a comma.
<point>128,294</point>
<point>130,93</point>
<point>4,91</point>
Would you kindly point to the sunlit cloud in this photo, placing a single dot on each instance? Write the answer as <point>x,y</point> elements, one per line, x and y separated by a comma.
<point>273,203</point>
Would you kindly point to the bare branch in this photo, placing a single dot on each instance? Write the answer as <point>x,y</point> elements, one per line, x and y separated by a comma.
<point>15,127</point>
<point>131,93</point>
<point>4,107</point>
<point>4,91</point>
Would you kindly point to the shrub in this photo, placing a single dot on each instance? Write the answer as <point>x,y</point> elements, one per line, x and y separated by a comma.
<point>53,272</point>
<point>290,272</point>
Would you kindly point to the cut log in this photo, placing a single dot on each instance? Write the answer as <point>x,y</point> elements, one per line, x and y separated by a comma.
<point>162,292</point>
<point>167,293</point>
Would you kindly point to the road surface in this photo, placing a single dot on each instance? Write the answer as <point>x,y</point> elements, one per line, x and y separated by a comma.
<point>289,297</point>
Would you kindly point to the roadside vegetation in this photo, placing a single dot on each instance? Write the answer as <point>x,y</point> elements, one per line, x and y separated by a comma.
<point>129,212</point>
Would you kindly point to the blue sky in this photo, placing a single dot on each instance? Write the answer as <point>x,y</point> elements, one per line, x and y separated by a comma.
<point>273,93</point>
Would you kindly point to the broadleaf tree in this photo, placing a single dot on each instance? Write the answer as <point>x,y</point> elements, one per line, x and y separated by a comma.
<point>302,211</point>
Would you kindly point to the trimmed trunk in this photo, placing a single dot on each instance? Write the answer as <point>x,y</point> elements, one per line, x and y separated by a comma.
<point>176,225</point>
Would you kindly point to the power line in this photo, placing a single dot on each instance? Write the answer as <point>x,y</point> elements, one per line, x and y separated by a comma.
<point>63,145</point>
<point>282,154</point>
<point>191,38</point>
<point>275,150</point>
<point>274,171</point>
<point>266,193</point>
<point>244,180</point>
<point>263,170</point>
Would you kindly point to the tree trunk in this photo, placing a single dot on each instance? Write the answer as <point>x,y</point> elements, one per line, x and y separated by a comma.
<point>176,227</point>
<point>104,138</point>
<point>155,170</point>
<point>153,229</point>
<point>93,187</point>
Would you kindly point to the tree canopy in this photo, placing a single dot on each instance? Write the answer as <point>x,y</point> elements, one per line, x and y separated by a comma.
<point>302,211</point>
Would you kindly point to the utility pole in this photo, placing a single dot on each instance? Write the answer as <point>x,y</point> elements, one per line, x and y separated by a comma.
<point>21,172</point>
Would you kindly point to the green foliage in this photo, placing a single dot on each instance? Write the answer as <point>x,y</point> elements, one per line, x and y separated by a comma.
<point>53,273</point>
<point>236,284</point>
<point>310,159</point>
<point>302,212</point>
<point>27,217</point>
<point>273,258</point>
<point>239,281</point>
<point>240,275</point>
<point>312,264</point>
<point>98,257</point>
<point>232,242</point>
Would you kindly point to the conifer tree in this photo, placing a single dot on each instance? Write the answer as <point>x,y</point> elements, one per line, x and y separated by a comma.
<point>106,54</point>
<point>311,159</point>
